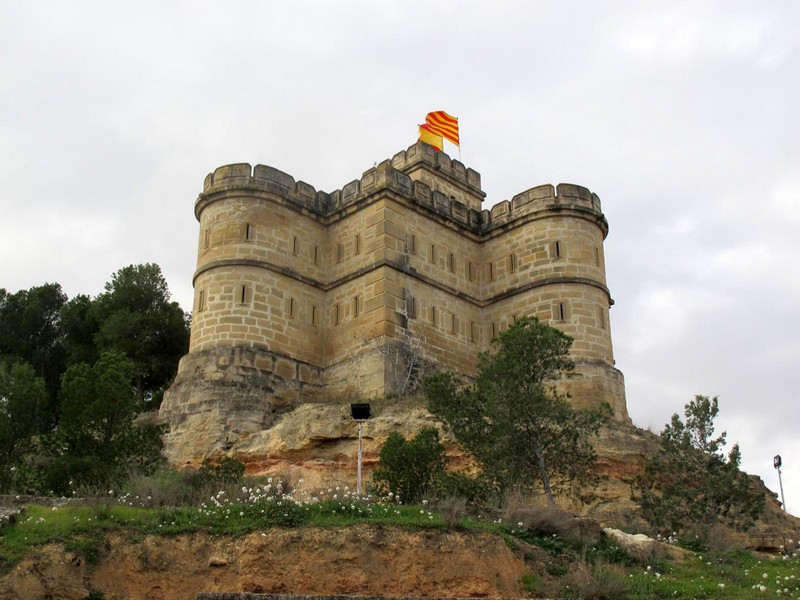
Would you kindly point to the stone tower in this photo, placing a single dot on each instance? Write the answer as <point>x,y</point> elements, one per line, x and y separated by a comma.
<point>292,284</point>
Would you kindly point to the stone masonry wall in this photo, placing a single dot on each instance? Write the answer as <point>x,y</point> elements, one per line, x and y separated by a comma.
<point>291,276</point>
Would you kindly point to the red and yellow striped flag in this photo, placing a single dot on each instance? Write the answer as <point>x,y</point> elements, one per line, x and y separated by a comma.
<point>430,138</point>
<point>440,123</point>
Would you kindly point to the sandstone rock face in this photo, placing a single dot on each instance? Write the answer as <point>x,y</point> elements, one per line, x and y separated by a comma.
<point>224,394</point>
<point>360,560</point>
<point>318,443</point>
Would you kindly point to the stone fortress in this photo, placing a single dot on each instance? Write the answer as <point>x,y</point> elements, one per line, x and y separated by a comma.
<point>294,286</point>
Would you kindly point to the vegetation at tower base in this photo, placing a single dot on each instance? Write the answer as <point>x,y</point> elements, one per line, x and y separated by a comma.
<point>48,340</point>
<point>691,483</point>
<point>23,401</point>
<point>96,439</point>
<point>410,468</point>
<point>30,332</point>
<point>515,423</point>
<point>136,317</point>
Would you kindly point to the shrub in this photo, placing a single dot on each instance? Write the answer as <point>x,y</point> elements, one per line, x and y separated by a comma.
<point>477,491</point>
<point>540,520</point>
<point>228,470</point>
<point>597,581</point>
<point>453,508</point>
<point>410,468</point>
<point>165,487</point>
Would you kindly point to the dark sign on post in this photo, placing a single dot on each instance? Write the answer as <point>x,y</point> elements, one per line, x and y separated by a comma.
<point>360,411</point>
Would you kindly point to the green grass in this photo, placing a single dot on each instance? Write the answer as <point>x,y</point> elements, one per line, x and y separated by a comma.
<point>83,530</point>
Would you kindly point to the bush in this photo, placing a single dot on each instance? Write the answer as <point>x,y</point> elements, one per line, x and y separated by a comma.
<point>165,487</point>
<point>410,469</point>
<point>597,581</point>
<point>228,470</point>
<point>477,491</point>
<point>453,509</point>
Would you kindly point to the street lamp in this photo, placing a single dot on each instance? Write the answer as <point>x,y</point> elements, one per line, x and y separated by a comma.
<point>360,413</point>
<point>776,462</point>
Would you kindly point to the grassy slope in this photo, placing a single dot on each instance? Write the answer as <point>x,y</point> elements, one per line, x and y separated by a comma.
<point>556,566</point>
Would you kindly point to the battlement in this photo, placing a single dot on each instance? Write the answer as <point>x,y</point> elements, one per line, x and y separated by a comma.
<point>392,175</point>
<point>267,179</point>
<point>544,198</point>
<point>423,154</point>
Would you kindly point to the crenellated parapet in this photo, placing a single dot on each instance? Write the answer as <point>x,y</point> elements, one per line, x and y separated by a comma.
<point>262,178</point>
<point>392,175</point>
<point>543,199</point>
<point>424,155</point>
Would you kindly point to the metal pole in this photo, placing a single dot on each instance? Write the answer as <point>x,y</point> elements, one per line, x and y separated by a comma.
<point>360,449</point>
<point>780,482</point>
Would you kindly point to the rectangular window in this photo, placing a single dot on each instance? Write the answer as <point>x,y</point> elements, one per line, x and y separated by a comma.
<point>470,271</point>
<point>316,254</point>
<point>295,245</point>
<point>206,238</point>
<point>601,315</point>
<point>512,262</point>
<point>355,306</point>
<point>453,323</point>
<point>494,330</point>
<point>313,315</point>
<point>290,307</point>
<point>561,312</point>
<point>339,252</point>
<point>337,314</point>
<point>432,254</point>
<point>411,307</point>
<point>491,271</point>
<point>451,261</point>
<point>473,334</point>
<point>358,243</point>
<point>433,315</point>
<point>596,256</point>
<point>201,301</point>
<point>556,249</point>
<point>411,243</point>
<point>242,294</point>
<point>248,232</point>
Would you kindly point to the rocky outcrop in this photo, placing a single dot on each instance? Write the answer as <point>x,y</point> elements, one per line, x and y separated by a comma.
<point>315,446</point>
<point>360,560</point>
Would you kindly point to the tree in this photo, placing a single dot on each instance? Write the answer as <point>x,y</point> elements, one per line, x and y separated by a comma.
<point>410,468</point>
<point>513,420</point>
<point>137,318</point>
<point>23,402</point>
<point>690,481</point>
<point>406,364</point>
<point>30,332</point>
<point>96,435</point>
<point>79,327</point>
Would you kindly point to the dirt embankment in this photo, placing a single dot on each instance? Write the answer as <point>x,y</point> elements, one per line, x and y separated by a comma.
<point>358,560</point>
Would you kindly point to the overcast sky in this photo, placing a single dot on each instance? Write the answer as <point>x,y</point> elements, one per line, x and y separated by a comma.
<point>682,116</point>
